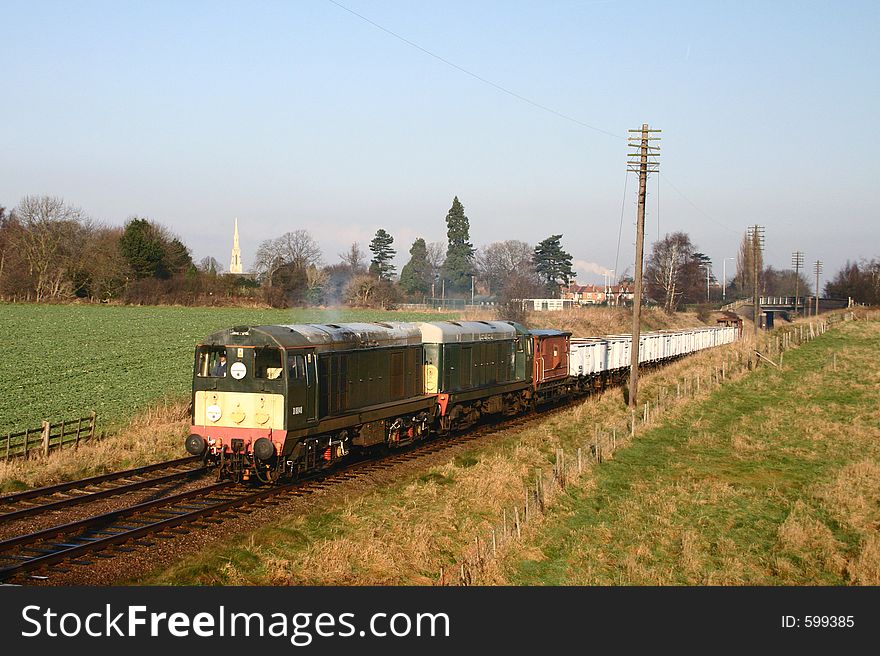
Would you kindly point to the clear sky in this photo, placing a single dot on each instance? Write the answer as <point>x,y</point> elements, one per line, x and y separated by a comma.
<point>299,114</point>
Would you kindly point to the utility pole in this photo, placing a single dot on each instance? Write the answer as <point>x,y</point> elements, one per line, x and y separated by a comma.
<point>639,161</point>
<point>724,275</point>
<point>707,283</point>
<point>756,234</point>
<point>818,268</point>
<point>797,261</point>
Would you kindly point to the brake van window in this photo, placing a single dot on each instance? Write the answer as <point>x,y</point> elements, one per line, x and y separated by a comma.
<point>268,363</point>
<point>212,362</point>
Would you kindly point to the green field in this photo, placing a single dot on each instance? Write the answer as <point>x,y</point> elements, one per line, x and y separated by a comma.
<point>65,360</point>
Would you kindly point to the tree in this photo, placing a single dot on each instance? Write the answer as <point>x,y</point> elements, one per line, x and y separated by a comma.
<point>675,272</point>
<point>380,265</point>
<point>498,261</point>
<point>459,264</point>
<point>354,259</point>
<point>297,249</point>
<point>666,269</point>
<point>552,264</point>
<point>144,249</point>
<point>858,281</point>
<point>518,286</point>
<point>415,277</point>
<point>177,257</point>
<point>781,282</point>
<point>210,266</point>
<point>745,276</point>
<point>49,241</point>
<point>316,281</point>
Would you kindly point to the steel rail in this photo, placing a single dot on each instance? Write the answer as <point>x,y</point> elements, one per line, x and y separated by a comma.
<point>113,537</point>
<point>93,480</point>
<point>89,497</point>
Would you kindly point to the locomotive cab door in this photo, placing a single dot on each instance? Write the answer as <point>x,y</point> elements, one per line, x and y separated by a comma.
<point>302,378</point>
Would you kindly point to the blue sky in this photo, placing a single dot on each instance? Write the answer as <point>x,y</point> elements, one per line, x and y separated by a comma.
<point>299,114</point>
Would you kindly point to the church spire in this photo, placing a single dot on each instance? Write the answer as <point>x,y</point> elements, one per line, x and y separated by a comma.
<point>235,260</point>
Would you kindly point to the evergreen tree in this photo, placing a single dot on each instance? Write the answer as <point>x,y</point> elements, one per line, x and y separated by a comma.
<point>177,257</point>
<point>380,265</point>
<point>459,264</point>
<point>144,249</point>
<point>416,274</point>
<point>552,264</point>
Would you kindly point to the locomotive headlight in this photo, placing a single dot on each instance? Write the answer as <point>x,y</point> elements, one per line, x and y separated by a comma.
<point>213,413</point>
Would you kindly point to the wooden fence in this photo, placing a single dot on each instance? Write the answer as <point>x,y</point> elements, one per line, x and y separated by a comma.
<point>64,434</point>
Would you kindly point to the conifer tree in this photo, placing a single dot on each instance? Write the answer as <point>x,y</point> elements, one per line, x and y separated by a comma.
<point>415,276</point>
<point>383,254</point>
<point>552,264</point>
<point>459,264</point>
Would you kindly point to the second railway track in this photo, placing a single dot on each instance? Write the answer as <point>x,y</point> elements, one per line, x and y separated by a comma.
<point>64,495</point>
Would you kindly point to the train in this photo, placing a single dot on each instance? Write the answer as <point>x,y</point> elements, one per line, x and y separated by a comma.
<point>275,402</point>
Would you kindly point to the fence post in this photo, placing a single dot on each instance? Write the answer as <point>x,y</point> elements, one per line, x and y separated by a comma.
<point>45,437</point>
<point>78,430</point>
<point>61,436</point>
<point>93,420</point>
<point>8,440</point>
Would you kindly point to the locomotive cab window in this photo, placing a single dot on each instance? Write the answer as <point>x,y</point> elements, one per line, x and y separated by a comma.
<point>211,362</point>
<point>296,366</point>
<point>268,363</point>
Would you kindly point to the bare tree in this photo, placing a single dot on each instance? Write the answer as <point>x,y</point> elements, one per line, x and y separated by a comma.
<point>355,259</point>
<point>51,233</point>
<point>436,257</point>
<point>210,266</point>
<point>297,249</point>
<point>667,269</point>
<point>500,260</point>
<point>745,275</point>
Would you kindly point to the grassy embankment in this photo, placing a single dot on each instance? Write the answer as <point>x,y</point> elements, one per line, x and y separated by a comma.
<point>772,480</point>
<point>404,533</point>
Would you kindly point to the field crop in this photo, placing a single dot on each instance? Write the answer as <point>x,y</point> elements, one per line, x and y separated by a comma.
<point>63,361</point>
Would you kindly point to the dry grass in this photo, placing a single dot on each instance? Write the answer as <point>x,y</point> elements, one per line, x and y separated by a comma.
<point>153,436</point>
<point>772,480</point>
<point>590,321</point>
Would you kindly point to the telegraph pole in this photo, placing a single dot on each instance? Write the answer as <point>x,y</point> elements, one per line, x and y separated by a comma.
<point>756,234</point>
<point>797,261</point>
<point>639,161</point>
<point>818,268</point>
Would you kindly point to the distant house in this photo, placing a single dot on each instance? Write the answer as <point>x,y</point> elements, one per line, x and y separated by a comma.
<point>621,294</point>
<point>584,294</point>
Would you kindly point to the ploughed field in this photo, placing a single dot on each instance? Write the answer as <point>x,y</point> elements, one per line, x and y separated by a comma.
<point>63,361</point>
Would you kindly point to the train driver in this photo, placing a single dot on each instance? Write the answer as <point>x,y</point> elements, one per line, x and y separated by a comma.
<point>219,369</point>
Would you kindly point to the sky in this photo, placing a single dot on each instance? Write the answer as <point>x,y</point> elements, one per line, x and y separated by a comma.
<point>302,115</point>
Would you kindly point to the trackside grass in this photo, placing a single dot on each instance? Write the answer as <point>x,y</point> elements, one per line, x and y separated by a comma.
<point>774,479</point>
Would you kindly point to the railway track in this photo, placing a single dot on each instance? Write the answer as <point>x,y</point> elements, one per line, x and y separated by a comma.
<point>64,495</point>
<point>49,550</point>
